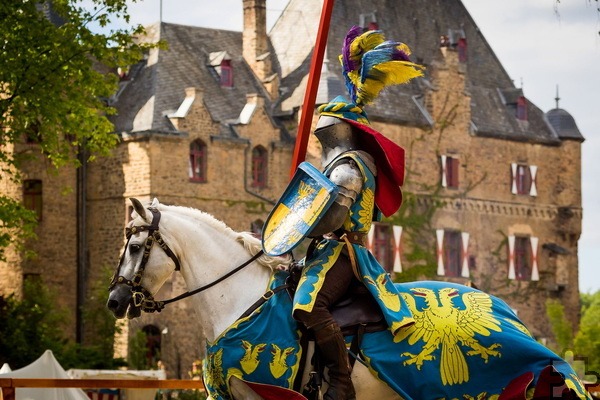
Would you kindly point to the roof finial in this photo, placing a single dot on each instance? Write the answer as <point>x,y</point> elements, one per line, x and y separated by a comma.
<point>160,20</point>
<point>556,98</point>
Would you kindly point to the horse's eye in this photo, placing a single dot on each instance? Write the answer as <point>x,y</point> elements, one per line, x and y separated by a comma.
<point>134,247</point>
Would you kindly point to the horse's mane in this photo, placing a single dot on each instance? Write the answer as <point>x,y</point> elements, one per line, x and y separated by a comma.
<point>251,243</point>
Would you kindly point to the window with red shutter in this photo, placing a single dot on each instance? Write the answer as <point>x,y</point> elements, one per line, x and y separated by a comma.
<point>259,167</point>
<point>452,253</point>
<point>383,246</point>
<point>450,171</point>
<point>452,165</point>
<point>197,165</point>
<point>523,179</point>
<point>522,258</point>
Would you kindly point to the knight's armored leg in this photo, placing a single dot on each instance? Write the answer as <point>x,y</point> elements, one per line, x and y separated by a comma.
<point>333,352</point>
<point>327,333</point>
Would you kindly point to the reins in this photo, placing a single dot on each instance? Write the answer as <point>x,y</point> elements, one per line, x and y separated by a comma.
<point>207,286</point>
<point>141,297</point>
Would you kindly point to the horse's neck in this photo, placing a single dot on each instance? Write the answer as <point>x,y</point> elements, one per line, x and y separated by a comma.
<point>214,255</point>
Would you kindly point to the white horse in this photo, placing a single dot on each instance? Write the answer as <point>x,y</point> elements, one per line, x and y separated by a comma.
<point>205,250</point>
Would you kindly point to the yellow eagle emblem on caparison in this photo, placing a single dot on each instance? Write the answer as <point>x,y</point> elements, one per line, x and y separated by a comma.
<point>440,324</point>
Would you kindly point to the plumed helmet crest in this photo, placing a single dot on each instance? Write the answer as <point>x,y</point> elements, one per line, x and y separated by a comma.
<point>371,63</point>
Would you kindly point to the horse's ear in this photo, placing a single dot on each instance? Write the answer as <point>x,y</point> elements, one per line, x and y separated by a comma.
<point>139,208</point>
<point>155,203</point>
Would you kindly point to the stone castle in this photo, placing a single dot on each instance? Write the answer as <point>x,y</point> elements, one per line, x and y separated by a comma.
<point>211,121</point>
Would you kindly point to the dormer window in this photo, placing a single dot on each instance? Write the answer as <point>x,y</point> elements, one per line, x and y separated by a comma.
<point>522,108</point>
<point>226,74</point>
<point>220,61</point>
<point>461,47</point>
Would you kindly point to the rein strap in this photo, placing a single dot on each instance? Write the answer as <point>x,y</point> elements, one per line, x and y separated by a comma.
<point>203,288</point>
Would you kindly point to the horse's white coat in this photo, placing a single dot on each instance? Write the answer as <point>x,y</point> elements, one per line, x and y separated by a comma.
<point>207,249</point>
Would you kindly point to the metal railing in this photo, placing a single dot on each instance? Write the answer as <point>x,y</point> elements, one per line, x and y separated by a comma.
<point>8,386</point>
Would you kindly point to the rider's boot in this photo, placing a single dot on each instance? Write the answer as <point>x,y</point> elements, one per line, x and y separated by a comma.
<point>333,351</point>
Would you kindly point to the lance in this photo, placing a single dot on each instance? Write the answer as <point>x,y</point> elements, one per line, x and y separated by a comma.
<point>310,95</point>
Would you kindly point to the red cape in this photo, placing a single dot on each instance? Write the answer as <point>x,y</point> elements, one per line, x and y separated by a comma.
<point>389,159</point>
<point>271,392</point>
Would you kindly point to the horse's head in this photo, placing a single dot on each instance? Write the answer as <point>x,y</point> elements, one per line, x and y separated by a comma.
<point>143,268</point>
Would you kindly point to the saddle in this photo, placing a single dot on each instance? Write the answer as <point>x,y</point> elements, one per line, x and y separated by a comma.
<point>355,313</point>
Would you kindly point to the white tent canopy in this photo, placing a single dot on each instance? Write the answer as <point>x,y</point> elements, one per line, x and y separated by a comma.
<point>5,368</point>
<point>44,367</point>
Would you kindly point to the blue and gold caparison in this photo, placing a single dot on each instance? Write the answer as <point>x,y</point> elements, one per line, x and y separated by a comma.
<point>464,344</point>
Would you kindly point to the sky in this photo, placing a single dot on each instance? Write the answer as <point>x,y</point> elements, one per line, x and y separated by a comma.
<point>541,44</point>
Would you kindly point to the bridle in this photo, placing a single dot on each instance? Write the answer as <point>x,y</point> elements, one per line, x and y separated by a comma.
<point>141,296</point>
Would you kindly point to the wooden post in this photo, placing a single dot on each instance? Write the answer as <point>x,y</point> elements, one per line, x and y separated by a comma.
<point>310,95</point>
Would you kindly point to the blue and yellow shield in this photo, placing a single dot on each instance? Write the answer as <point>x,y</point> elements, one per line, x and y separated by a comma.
<point>304,202</point>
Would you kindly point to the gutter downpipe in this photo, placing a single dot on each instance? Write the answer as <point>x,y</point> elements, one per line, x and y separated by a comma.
<point>81,221</point>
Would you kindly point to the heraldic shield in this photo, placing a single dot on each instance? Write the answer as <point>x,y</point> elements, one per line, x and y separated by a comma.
<point>306,199</point>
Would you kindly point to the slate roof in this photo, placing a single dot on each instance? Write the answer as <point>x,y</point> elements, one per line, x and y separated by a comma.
<point>418,23</point>
<point>564,124</point>
<point>156,86</point>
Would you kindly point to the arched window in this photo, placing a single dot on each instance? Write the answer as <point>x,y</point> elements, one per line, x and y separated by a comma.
<point>197,167</point>
<point>259,167</point>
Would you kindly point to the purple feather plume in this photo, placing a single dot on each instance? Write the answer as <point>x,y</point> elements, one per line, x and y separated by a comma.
<point>352,34</point>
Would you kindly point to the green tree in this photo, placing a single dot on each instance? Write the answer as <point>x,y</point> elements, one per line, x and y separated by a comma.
<point>54,86</point>
<point>137,351</point>
<point>30,326</point>
<point>35,323</point>
<point>561,328</point>
<point>587,340</point>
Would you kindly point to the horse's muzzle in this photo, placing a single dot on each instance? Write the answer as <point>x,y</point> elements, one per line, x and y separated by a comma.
<point>120,303</point>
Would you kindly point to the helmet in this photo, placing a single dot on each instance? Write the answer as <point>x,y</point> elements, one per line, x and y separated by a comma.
<point>336,137</point>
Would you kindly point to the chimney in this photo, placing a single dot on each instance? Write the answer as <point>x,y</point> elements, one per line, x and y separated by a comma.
<point>256,44</point>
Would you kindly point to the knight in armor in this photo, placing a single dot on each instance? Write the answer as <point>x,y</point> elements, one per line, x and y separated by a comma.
<point>368,170</point>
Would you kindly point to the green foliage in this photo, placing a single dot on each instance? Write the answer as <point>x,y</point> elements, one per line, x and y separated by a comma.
<point>137,351</point>
<point>417,230</point>
<point>16,224</point>
<point>55,86</point>
<point>587,340</point>
<point>30,326</point>
<point>98,319</point>
<point>35,324</point>
<point>561,328</point>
